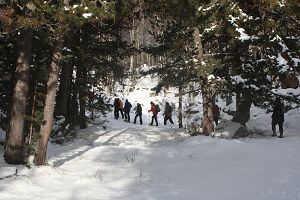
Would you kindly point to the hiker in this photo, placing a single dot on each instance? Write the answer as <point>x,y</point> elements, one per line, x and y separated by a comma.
<point>216,113</point>
<point>121,108</point>
<point>138,113</point>
<point>168,114</point>
<point>116,108</point>
<point>154,110</point>
<point>278,117</point>
<point>127,108</point>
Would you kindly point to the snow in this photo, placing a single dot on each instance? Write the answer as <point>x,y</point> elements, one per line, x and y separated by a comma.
<point>282,63</point>
<point>87,15</point>
<point>243,35</point>
<point>238,79</point>
<point>226,129</point>
<point>211,77</point>
<point>67,49</point>
<point>287,92</point>
<point>201,9</point>
<point>133,162</point>
<point>282,3</point>
<point>296,61</point>
<point>211,28</point>
<point>67,8</point>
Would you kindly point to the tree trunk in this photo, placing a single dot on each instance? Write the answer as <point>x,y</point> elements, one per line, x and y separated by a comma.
<point>197,44</point>
<point>73,100</point>
<point>32,112</point>
<point>46,128</point>
<point>207,90</point>
<point>180,106</point>
<point>208,121</point>
<point>82,94</point>
<point>13,152</point>
<point>63,92</point>
<point>242,114</point>
<point>81,75</point>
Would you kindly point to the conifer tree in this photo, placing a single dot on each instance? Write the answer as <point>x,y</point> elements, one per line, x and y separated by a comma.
<point>97,15</point>
<point>23,15</point>
<point>249,42</point>
<point>181,31</point>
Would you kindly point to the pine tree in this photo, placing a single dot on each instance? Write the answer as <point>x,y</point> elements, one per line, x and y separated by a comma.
<point>182,47</point>
<point>249,38</point>
<point>13,152</point>
<point>106,14</point>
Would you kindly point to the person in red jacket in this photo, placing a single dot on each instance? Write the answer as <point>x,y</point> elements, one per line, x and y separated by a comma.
<point>154,111</point>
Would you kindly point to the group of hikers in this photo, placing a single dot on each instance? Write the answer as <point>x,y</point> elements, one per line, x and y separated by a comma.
<point>277,115</point>
<point>155,109</point>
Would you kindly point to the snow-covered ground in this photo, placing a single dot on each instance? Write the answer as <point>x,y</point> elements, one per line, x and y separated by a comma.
<point>127,161</point>
<point>133,162</point>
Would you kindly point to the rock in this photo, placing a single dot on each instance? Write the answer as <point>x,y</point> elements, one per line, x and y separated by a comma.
<point>242,132</point>
<point>230,130</point>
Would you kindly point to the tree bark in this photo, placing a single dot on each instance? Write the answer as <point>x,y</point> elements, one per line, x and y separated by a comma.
<point>82,72</point>
<point>81,75</point>
<point>208,121</point>
<point>63,92</point>
<point>32,112</point>
<point>197,44</point>
<point>207,90</point>
<point>13,152</point>
<point>46,128</point>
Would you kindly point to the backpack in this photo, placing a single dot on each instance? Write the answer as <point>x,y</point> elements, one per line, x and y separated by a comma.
<point>157,108</point>
<point>121,104</point>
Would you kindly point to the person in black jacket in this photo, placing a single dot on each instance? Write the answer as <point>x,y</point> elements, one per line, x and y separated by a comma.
<point>116,108</point>
<point>138,113</point>
<point>278,117</point>
<point>127,108</point>
<point>168,114</point>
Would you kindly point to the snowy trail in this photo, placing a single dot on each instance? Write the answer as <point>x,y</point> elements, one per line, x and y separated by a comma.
<point>136,162</point>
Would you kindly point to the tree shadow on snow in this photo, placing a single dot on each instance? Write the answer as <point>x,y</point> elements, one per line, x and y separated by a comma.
<point>85,140</point>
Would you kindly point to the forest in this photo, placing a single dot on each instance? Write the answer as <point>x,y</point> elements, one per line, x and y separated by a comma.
<point>62,59</point>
